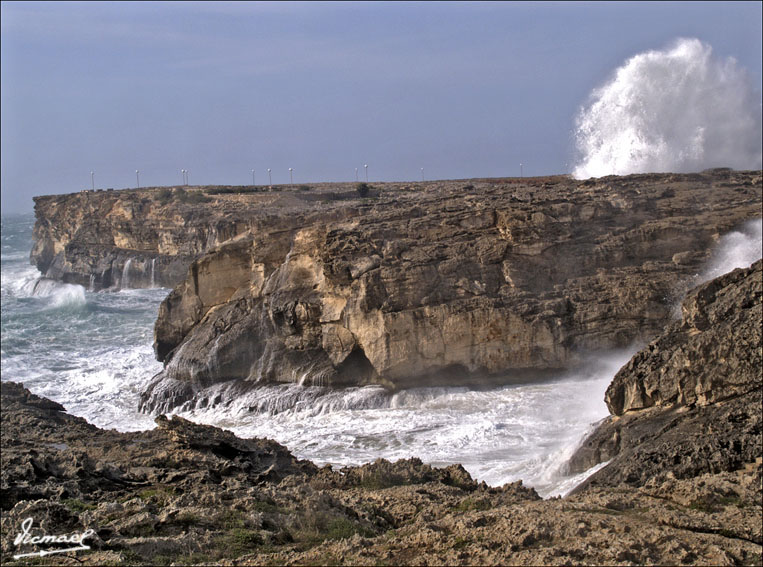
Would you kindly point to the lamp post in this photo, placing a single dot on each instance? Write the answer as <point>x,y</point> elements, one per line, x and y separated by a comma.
<point>270,178</point>
<point>291,177</point>
<point>366,166</point>
<point>422,174</point>
<point>253,183</point>
<point>186,177</point>
<point>182,176</point>
<point>92,180</point>
<point>137,177</point>
<point>356,174</point>
<point>521,173</point>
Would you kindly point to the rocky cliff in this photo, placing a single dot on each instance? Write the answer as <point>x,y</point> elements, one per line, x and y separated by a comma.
<point>132,238</point>
<point>690,402</point>
<point>441,283</point>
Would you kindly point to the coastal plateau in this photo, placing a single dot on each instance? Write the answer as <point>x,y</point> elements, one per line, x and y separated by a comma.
<point>439,283</point>
<point>683,484</point>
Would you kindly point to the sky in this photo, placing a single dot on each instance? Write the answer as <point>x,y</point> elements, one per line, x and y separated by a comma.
<point>459,89</point>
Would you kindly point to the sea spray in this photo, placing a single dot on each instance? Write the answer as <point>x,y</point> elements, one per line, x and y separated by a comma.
<point>676,110</point>
<point>737,249</point>
<point>500,435</point>
<point>125,283</point>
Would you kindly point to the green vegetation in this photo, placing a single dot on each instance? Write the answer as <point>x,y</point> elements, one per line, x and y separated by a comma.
<point>158,494</point>
<point>234,190</point>
<point>193,197</point>
<point>703,505</point>
<point>164,196</point>
<point>239,541</point>
<point>167,195</point>
<point>321,526</point>
<point>187,519</point>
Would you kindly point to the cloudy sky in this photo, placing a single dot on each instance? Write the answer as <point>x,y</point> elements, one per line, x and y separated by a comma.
<point>459,89</point>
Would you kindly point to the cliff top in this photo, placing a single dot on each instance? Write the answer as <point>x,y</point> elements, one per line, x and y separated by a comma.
<point>312,195</point>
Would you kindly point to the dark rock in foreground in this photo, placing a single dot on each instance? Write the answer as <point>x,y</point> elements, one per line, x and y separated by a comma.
<point>690,402</point>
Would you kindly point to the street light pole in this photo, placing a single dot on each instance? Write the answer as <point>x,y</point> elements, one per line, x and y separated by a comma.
<point>92,180</point>
<point>366,166</point>
<point>291,177</point>
<point>270,178</point>
<point>521,173</point>
<point>253,183</point>
<point>356,174</point>
<point>137,176</point>
<point>422,174</point>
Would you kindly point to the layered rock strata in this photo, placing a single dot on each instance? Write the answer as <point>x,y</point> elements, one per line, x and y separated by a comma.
<point>443,283</point>
<point>690,402</point>
<point>684,484</point>
<point>136,238</point>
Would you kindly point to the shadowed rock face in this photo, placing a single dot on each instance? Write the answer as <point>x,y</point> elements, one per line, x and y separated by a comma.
<point>498,281</point>
<point>691,400</point>
<point>125,239</point>
<point>433,283</point>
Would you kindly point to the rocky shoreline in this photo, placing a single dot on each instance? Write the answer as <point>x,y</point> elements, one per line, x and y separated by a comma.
<point>438,283</point>
<point>683,486</point>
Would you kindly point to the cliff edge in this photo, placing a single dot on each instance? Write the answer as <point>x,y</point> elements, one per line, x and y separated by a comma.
<point>491,282</point>
<point>684,484</point>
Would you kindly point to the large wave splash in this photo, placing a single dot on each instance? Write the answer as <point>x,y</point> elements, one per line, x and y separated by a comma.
<point>676,110</point>
<point>737,249</point>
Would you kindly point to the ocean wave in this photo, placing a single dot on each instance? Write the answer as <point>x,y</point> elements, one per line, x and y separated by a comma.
<point>680,109</point>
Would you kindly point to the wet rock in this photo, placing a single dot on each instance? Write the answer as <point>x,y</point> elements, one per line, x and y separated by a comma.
<point>188,493</point>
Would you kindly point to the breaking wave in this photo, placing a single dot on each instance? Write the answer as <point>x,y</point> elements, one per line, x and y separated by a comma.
<point>737,249</point>
<point>676,110</point>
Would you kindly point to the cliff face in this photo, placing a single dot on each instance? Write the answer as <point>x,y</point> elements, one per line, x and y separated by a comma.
<point>442,283</point>
<point>124,239</point>
<point>690,402</point>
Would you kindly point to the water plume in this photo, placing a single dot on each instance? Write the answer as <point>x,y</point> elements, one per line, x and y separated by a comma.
<point>737,249</point>
<point>677,110</point>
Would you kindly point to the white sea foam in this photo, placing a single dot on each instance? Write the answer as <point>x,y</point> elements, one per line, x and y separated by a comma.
<point>500,435</point>
<point>96,359</point>
<point>737,249</point>
<point>680,109</point>
<point>58,294</point>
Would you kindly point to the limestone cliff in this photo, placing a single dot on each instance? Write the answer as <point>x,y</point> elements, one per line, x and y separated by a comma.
<point>131,239</point>
<point>441,282</point>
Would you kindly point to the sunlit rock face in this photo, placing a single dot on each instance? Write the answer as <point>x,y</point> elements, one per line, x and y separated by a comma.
<point>446,283</point>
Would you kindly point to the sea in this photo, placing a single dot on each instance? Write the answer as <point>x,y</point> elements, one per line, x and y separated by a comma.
<point>92,352</point>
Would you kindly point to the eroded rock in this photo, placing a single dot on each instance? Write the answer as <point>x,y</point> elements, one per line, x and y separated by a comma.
<point>438,287</point>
